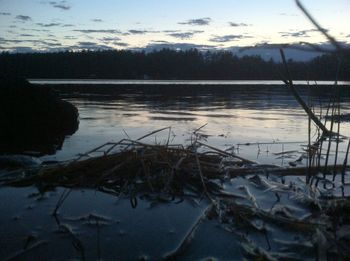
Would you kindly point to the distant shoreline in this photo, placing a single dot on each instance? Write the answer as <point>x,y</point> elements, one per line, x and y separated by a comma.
<point>112,90</point>
<point>118,82</point>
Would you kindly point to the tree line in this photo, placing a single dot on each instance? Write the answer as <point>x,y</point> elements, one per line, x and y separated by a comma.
<point>165,64</point>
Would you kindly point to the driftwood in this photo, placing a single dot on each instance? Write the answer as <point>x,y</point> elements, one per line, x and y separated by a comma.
<point>156,168</point>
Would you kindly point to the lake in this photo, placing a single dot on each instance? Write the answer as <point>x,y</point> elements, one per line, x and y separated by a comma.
<point>262,123</point>
<point>176,82</point>
<point>233,114</point>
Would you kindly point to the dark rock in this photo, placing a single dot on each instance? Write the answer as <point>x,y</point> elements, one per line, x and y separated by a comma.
<point>33,118</point>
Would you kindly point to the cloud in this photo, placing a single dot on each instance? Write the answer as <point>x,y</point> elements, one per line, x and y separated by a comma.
<point>53,44</point>
<point>86,43</point>
<point>60,5</point>
<point>285,14</point>
<point>141,31</point>
<point>110,39</point>
<point>5,13</point>
<point>68,25</point>
<point>23,18</point>
<point>22,49</point>
<point>91,46</point>
<point>48,25</point>
<point>158,45</point>
<point>302,33</point>
<point>184,35</point>
<point>20,41</point>
<point>25,49</point>
<point>69,37</point>
<point>137,31</point>
<point>114,40</point>
<point>51,39</point>
<point>294,34</point>
<point>91,31</point>
<point>63,7</point>
<point>97,20</point>
<point>199,21</point>
<point>35,30</point>
<point>160,41</point>
<point>121,44</point>
<point>238,24</point>
<point>171,31</point>
<point>27,35</point>
<point>228,38</point>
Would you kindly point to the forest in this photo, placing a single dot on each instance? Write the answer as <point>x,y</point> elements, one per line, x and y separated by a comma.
<point>165,64</point>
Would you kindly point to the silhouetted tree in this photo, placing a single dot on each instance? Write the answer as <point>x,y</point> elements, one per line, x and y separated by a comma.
<point>164,64</point>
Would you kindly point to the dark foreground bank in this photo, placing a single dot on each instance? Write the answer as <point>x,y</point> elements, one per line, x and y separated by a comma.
<point>33,118</point>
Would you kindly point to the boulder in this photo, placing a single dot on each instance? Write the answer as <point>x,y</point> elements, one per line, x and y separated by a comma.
<point>33,118</point>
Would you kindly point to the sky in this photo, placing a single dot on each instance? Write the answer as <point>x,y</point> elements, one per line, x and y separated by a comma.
<point>46,25</point>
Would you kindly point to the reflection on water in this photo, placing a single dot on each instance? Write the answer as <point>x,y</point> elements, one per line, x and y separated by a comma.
<point>101,226</point>
<point>233,116</point>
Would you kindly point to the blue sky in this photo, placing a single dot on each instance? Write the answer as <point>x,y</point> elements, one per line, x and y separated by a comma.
<point>27,25</point>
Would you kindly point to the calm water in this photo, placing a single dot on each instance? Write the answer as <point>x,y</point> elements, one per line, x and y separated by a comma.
<point>176,82</point>
<point>107,227</point>
<point>239,115</point>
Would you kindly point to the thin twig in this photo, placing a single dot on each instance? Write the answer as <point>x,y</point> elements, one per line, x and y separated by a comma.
<point>330,138</point>
<point>153,132</point>
<point>309,151</point>
<point>19,254</point>
<point>61,200</point>
<point>226,153</point>
<point>201,127</point>
<point>175,254</point>
<point>345,163</point>
<point>337,141</point>
<point>299,99</point>
<point>126,134</point>
<point>320,28</point>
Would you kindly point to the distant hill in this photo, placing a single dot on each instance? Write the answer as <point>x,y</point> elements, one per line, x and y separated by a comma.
<point>297,52</point>
<point>268,53</point>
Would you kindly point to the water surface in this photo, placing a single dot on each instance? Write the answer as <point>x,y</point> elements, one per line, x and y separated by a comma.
<point>177,82</point>
<point>259,123</point>
<point>240,115</point>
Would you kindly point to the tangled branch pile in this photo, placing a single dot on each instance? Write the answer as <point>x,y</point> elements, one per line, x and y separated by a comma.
<point>141,167</point>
